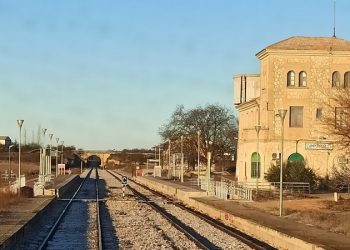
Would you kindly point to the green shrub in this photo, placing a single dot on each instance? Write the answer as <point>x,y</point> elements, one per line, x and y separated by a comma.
<point>295,171</point>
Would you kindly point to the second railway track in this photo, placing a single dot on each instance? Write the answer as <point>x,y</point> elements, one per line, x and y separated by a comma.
<point>207,233</point>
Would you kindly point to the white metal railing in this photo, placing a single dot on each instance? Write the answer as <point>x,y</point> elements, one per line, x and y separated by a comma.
<point>292,187</point>
<point>8,176</point>
<point>222,189</point>
<point>204,185</point>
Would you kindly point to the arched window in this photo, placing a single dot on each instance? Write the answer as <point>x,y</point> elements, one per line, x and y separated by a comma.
<point>347,79</point>
<point>291,79</point>
<point>335,79</point>
<point>255,165</point>
<point>302,79</point>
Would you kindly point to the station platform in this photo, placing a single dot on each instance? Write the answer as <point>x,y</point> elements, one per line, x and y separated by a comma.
<point>17,217</point>
<point>280,232</point>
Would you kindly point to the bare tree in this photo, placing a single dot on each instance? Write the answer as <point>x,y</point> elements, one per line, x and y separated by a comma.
<point>336,121</point>
<point>341,177</point>
<point>38,135</point>
<point>33,140</point>
<point>25,136</point>
<point>217,125</point>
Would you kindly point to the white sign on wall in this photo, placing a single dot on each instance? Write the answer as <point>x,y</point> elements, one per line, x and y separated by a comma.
<point>318,146</point>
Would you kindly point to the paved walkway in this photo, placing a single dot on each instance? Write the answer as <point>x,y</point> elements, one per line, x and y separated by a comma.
<point>289,227</point>
<point>307,233</point>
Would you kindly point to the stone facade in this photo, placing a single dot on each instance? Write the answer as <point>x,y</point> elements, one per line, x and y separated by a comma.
<point>318,58</point>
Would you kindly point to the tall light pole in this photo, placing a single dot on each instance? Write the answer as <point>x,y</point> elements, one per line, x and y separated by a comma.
<point>62,142</point>
<point>10,162</point>
<point>155,154</point>
<point>282,114</point>
<point>20,123</point>
<point>257,129</point>
<point>198,160</point>
<point>43,156</point>
<point>182,159</point>
<point>169,158</point>
<point>208,164</point>
<point>57,140</point>
<point>159,154</point>
<point>50,136</point>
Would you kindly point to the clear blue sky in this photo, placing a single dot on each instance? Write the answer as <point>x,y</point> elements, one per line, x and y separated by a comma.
<point>107,74</point>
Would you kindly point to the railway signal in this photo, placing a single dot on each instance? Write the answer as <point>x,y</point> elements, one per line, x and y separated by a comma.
<point>124,183</point>
<point>124,180</point>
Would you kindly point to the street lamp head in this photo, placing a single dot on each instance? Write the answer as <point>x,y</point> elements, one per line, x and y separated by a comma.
<point>20,123</point>
<point>282,113</point>
<point>50,135</point>
<point>258,127</point>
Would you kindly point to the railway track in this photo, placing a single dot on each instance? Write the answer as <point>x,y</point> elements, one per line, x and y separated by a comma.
<point>200,240</point>
<point>78,226</point>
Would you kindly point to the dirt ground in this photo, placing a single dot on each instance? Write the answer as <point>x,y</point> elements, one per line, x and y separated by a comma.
<point>317,210</point>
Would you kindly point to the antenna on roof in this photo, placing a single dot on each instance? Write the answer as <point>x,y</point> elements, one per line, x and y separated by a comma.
<point>334,5</point>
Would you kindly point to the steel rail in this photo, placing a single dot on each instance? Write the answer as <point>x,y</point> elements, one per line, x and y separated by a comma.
<point>247,239</point>
<point>199,240</point>
<point>54,227</point>
<point>100,247</point>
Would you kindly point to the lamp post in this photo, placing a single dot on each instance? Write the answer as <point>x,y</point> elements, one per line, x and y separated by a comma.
<point>10,162</point>
<point>282,114</point>
<point>169,160</point>
<point>198,160</point>
<point>208,164</point>
<point>43,156</point>
<point>159,155</point>
<point>257,129</point>
<point>57,140</point>
<point>182,159</point>
<point>20,123</point>
<point>155,154</point>
<point>50,136</point>
<point>62,142</point>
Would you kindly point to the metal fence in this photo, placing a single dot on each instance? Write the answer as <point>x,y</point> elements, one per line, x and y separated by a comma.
<point>228,189</point>
<point>7,176</point>
<point>289,187</point>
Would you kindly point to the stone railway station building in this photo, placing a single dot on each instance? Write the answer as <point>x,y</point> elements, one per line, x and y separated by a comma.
<point>295,75</point>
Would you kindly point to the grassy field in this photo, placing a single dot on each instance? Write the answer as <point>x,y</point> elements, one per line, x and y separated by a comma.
<point>322,212</point>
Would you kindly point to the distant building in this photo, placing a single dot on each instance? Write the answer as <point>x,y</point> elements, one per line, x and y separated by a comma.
<point>293,75</point>
<point>5,141</point>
